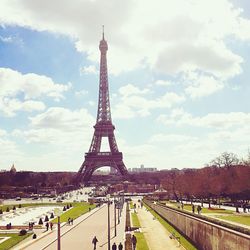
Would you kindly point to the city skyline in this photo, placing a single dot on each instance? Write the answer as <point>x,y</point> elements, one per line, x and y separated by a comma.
<point>179,81</point>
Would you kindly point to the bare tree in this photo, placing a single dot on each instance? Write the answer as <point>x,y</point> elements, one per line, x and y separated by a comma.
<point>225,160</point>
<point>247,160</point>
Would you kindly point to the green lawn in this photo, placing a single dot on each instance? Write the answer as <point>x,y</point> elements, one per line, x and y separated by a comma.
<point>15,239</point>
<point>184,242</point>
<point>245,220</point>
<point>141,242</point>
<point>77,210</point>
<point>135,220</point>
<point>131,205</point>
<point>204,210</point>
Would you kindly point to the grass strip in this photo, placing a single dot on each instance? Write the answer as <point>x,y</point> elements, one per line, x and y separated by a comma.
<point>241,219</point>
<point>141,242</point>
<point>214,220</point>
<point>131,205</point>
<point>77,210</point>
<point>135,220</point>
<point>205,210</point>
<point>184,242</point>
<point>14,239</point>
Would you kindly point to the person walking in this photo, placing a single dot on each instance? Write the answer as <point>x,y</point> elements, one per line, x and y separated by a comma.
<point>199,209</point>
<point>51,226</point>
<point>193,208</point>
<point>94,241</point>
<point>120,246</point>
<point>134,242</point>
<point>114,247</point>
<point>47,226</point>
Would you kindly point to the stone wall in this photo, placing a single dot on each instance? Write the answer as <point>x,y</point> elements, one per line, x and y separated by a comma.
<point>204,235</point>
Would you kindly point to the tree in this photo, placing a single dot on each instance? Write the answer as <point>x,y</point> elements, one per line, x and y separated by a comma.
<point>247,160</point>
<point>225,160</point>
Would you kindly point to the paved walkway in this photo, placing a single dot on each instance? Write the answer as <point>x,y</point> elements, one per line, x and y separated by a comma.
<point>156,235</point>
<point>80,235</point>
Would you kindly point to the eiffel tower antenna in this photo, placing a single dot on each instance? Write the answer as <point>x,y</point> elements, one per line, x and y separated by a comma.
<point>95,159</point>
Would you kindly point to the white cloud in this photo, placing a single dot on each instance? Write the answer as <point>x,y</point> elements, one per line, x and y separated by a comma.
<point>9,106</point>
<point>163,83</point>
<point>62,119</point>
<point>81,93</point>
<point>133,102</point>
<point>211,120</point>
<point>10,152</point>
<point>62,135</point>
<point>91,69</point>
<point>171,138</point>
<point>131,89</point>
<point>91,103</point>
<point>12,39</point>
<point>6,39</point>
<point>2,133</point>
<point>212,58</point>
<point>31,86</point>
<point>173,40</point>
<point>203,86</point>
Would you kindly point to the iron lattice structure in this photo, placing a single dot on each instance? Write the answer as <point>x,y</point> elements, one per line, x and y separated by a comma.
<point>95,159</point>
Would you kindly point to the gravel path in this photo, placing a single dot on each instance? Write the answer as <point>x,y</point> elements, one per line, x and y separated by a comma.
<point>156,235</point>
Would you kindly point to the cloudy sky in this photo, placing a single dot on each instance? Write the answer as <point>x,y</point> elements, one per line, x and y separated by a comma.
<point>178,71</point>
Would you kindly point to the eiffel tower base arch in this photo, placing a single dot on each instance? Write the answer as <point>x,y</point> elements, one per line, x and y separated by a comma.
<point>93,161</point>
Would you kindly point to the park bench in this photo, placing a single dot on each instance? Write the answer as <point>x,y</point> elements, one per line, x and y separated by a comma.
<point>175,237</point>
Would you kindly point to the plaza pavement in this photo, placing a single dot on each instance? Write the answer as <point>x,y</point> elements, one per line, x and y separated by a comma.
<point>80,235</point>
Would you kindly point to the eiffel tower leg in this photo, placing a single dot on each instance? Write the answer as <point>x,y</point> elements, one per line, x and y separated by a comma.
<point>121,168</point>
<point>88,173</point>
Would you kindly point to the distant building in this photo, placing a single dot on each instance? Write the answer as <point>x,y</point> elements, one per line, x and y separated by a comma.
<point>13,169</point>
<point>142,169</point>
<point>130,187</point>
<point>101,172</point>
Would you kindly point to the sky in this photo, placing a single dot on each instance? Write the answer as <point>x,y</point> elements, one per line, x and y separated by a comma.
<point>178,75</point>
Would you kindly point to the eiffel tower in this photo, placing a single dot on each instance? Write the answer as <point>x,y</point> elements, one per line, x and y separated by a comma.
<point>95,159</point>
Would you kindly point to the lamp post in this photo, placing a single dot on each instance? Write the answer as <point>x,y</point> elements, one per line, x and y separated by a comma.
<point>108,196</point>
<point>115,216</point>
<point>58,234</point>
<point>118,212</point>
<point>58,212</point>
